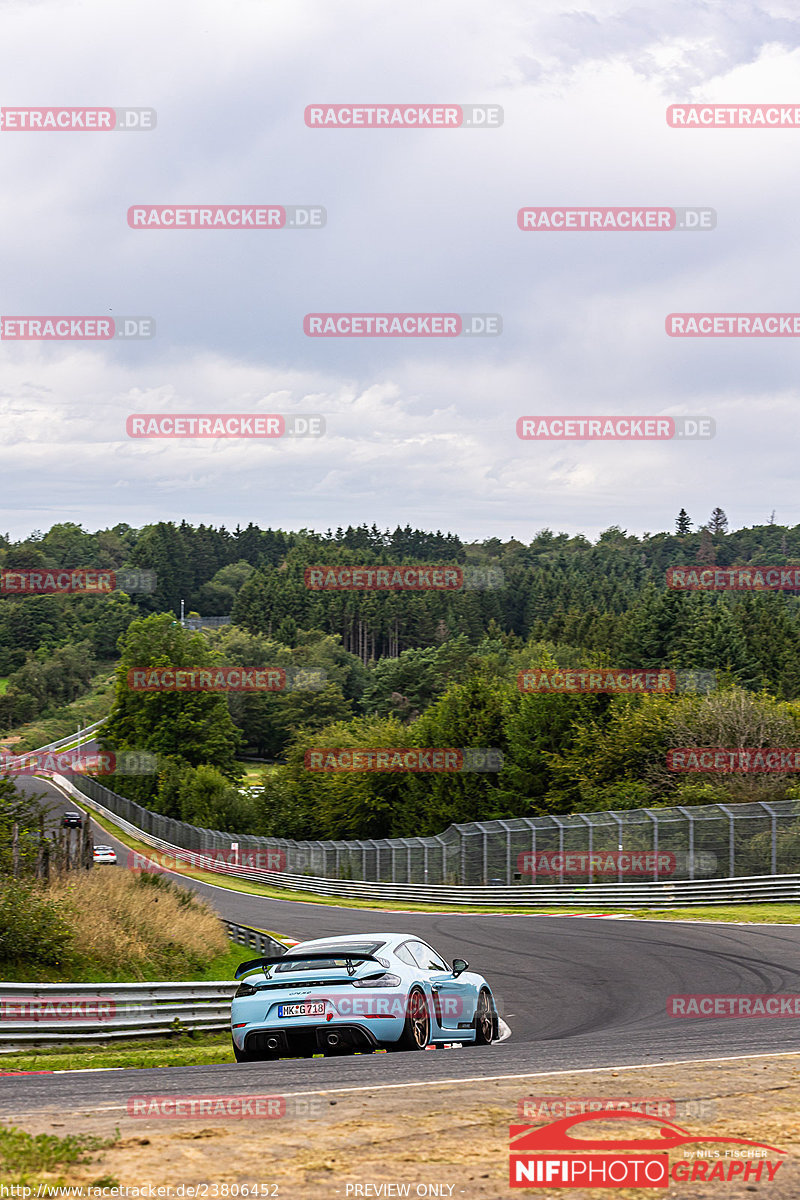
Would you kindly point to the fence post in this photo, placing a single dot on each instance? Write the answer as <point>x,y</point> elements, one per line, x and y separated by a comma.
<point>587,822</point>
<point>560,848</point>
<point>690,819</point>
<point>654,819</point>
<point>618,819</point>
<point>773,869</point>
<point>731,845</point>
<point>485,856</point>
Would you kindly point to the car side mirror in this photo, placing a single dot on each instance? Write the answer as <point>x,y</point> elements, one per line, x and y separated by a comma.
<point>459,966</point>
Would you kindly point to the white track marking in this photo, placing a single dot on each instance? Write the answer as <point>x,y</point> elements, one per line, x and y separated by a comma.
<point>427,1083</point>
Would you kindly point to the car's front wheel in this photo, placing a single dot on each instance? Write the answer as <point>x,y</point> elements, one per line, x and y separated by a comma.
<point>417,1030</point>
<point>485,1020</point>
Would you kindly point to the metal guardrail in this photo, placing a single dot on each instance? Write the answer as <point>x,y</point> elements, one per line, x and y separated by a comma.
<point>670,893</point>
<point>81,1012</point>
<point>255,939</point>
<point>67,741</point>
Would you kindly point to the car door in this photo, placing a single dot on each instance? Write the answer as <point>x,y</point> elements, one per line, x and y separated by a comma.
<point>453,999</point>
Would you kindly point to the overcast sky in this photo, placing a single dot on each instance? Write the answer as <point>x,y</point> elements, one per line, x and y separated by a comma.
<point>419,431</point>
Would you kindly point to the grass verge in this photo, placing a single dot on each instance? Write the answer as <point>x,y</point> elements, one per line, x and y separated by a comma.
<point>756,914</point>
<point>179,1050</point>
<point>108,925</point>
<point>25,1157</point>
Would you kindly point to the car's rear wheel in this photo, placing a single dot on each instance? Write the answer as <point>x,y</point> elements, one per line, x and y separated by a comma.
<point>417,1030</point>
<point>485,1019</point>
<point>242,1055</point>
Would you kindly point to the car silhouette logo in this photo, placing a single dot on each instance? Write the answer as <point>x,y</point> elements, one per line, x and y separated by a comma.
<point>557,1136</point>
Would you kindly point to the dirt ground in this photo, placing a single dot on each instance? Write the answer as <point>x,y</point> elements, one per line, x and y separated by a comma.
<point>447,1140</point>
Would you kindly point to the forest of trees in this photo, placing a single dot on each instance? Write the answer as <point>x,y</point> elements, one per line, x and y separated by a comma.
<point>423,669</point>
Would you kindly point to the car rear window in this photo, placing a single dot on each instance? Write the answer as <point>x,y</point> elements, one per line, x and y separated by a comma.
<point>338,957</point>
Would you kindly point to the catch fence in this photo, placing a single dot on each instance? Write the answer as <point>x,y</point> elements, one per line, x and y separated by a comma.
<point>704,842</point>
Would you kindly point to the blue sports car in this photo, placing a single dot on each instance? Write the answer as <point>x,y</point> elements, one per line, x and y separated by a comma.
<point>376,991</point>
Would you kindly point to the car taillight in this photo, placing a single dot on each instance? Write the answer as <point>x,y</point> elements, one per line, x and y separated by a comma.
<point>386,980</point>
<point>245,989</point>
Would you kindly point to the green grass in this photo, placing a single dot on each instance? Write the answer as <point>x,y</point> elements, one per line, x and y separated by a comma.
<point>778,913</point>
<point>87,709</point>
<point>253,772</point>
<point>3,685</point>
<point>201,1049</point>
<point>222,966</point>
<point>24,1155</point>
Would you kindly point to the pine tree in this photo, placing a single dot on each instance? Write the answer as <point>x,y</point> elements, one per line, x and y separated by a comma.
<point>683,525</point>
<point>718,522</point>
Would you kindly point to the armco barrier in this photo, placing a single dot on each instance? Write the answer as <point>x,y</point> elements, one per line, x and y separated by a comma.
<point>80,1012</point>
<point>69,740</point>
<point>671,893</point>
<point>77,1012</point>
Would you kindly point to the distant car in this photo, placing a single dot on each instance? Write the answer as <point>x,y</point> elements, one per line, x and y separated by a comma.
<point>370,992</point>
<point>71,820</point>
<point>105,854</point>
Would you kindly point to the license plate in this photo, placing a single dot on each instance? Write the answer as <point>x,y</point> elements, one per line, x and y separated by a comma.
<point>311,1008</point>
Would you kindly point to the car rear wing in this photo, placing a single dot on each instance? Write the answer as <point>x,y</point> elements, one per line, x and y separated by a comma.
<point>350,959</point>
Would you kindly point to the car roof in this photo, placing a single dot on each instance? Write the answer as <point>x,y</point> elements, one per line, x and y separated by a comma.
<point>354,939</point>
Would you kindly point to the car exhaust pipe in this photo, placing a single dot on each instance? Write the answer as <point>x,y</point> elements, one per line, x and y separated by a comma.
<point>272,1043</point>
<point>333,1039</point>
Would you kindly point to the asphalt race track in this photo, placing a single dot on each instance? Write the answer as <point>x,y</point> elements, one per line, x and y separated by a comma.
<point>576,992</point>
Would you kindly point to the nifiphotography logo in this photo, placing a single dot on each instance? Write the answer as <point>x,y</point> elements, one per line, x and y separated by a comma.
<point>551,1156</point>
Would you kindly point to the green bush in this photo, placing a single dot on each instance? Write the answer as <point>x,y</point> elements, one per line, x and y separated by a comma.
<point>32,928</point>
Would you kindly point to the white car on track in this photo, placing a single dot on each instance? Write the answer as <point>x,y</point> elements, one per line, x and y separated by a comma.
<point>362,993</point>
